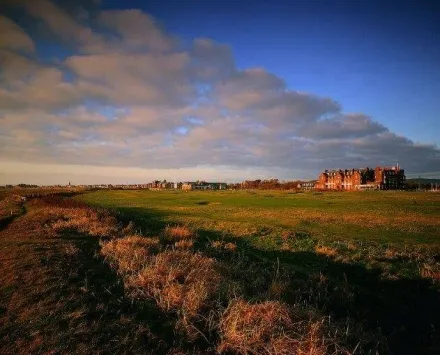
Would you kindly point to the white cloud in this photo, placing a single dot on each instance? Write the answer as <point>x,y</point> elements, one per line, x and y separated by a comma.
<point>132,96</point>
<point>342,126</point>
<point>15,68</point>
<point>133,78</point>
<point>26,84</point>
<point>136,30</point>
<point>13,37</point>
<point>56,19</point>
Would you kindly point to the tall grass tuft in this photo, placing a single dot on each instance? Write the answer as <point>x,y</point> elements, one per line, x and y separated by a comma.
<point>269,328</point>
<point>130,254</point>
<point>179,281</point>
<point>177,233</point>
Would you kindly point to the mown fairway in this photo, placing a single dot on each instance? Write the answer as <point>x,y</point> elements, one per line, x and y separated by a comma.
<point>399,218</point>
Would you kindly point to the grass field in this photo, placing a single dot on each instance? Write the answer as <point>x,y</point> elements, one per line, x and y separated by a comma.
<point>231,272</point>
<point>386,217</point>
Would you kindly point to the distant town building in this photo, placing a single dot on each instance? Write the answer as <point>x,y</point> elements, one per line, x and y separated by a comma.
<point>203,185</point>
<point>307,185</point>
<point>382,178</point>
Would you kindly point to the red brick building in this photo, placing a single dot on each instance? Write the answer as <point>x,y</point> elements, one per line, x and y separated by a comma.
<point>387,178</point>
<point>392,178</point>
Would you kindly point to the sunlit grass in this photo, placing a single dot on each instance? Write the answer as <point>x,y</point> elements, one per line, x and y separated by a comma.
<point>392,217</point>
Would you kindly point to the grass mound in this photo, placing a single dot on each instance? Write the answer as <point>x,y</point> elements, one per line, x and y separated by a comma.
<point>181,237</point>
<point>268,328</point>
<point>85,221</point>
<point>178,281</point>
<point>64,214</point>
<point>129,254</point>
<point>181,282</point>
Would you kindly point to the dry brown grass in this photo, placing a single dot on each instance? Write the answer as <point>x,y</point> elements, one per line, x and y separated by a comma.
<point>352,246</point>
<point>268,328</point>
<point>325,250</point>
<point>84,220</point>
<point>129,229</point>
<point>71,250</point>
<point>430,272</point>
<point>177,233</point>
<point>391,254</point>
<point>183,282</point>
<point>230,246</point>
<point>10,206</point>
<point>57,298</point>
<point>62,214</point>
<point>217,244</point>
<point>129,254</point>
<point>178,280</point>
<point>184,244</point>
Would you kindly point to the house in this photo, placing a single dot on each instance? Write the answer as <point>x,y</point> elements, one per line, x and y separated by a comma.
<point>307,185</point>
<point>390,178</point>
<point>347,179</point>
<point>383,178</point>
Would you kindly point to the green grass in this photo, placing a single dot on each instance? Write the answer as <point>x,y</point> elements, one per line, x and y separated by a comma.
<point>395,233</point>
<point>385,217</point>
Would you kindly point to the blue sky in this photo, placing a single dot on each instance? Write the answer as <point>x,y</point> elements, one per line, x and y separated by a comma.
<point>377,57</point>
<point>289,88</point>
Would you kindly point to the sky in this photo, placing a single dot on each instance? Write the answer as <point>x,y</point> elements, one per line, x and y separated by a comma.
<point>129,91</point>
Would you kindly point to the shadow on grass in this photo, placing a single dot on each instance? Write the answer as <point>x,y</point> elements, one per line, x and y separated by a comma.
<point>5,221</point>
<point>405,311</point>
<point>116,323</point>
<point>149,221</point>
<point>61,297</point>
